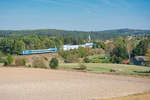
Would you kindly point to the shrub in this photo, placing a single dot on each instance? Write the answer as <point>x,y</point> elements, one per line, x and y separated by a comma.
<point>95,60</point>
<point>9,60</point>
<point>29,65</point>
<point>117,60</point>
<point>1,60</point>
<point>38,63</point>
<point>6,62</point>
<point>54,63</point>
<point>83,67</point>
<point>112,70</point>
<point>99,59</point>
<point>86,60</point>
<point>20,62</point>
<point>71,59</point>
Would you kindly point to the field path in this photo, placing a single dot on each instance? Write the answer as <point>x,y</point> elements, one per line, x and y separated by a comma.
<point>42,84</point>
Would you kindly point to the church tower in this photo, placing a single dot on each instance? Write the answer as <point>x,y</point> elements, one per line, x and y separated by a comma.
<point>89,38</point>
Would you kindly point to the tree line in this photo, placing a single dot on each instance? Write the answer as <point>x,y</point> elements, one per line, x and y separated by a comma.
<point>14,45</point>
<point>116,50</point>
<point>96,35</point>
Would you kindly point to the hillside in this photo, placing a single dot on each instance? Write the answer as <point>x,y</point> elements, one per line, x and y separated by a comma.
<point>103,35</point>
<point>46,58</point>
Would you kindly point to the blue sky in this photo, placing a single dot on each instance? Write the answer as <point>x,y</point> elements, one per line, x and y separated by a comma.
<point>86,15</point>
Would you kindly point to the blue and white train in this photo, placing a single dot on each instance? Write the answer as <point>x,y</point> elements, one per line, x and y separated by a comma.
<point>54,50</point>
<point>41,51</point>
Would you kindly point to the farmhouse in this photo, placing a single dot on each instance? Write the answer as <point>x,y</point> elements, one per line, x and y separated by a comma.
<point>141,60</point>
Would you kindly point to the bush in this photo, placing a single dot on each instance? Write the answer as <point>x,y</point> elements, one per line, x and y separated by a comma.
<point>99,59</point>
<point>1,60</point>
<point>86,60</point>
<point>38,63</point>
<point>112,70</point>
<point>9,60</point>
<point>117,60</point>
<point>29,65</point>
<point>95,60</point>
<point>20,62</point>
<point>83,67</point>
<point>107,60</point>
<point>71,59</point>
<point>6,62</point>
<point>54,63</point>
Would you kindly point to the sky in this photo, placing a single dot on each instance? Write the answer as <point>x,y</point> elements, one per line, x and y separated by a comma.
<point>84,15</point>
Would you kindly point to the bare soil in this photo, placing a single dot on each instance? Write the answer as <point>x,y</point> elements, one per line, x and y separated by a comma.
<point>142,96</point>
<point>43,84</point>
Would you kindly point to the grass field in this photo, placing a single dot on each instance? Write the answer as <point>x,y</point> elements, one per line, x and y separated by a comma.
<point>143,96</point>
<point>111,68</point>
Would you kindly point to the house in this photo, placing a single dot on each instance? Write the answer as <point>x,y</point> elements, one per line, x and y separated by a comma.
<point>88,45</point>
<point>141,60</point>
<point>70,47</point>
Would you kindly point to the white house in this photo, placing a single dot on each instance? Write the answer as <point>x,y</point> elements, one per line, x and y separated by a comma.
<point>89,44</point>
<point>69,47</point>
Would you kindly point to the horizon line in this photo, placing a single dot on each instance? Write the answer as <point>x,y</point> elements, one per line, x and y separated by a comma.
<point>70,29</point>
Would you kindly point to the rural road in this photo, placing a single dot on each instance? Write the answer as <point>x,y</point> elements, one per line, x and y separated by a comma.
<point>42,84</point>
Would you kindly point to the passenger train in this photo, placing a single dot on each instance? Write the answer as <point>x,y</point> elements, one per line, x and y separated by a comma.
<point>41,51</point>
<point>54,50</point>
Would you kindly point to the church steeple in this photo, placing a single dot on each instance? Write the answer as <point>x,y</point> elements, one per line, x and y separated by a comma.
<point>89,38</point>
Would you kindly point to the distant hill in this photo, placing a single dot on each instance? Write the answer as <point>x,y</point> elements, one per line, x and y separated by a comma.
<point>127,31</point>
<point>104,35</point>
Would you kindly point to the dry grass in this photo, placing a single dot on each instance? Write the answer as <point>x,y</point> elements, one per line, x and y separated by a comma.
<point>46,57</point>
<point>143,96</point>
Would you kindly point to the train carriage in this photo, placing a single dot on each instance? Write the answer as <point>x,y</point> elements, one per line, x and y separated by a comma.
<point>41,51</point>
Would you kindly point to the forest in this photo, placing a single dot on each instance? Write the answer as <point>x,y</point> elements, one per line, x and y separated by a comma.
<point>14,45</point>
<point>117,50</point>
<point>95,35</point>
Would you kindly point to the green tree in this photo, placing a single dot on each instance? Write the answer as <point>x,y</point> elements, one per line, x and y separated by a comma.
<point>6,46</point>
<point>83,52</point>
<point>148,53</point>
<point>101,44</point>
<point>141,48</point>
<point>119,51</point>
<point>18,47</point>
<point>1,59</point>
